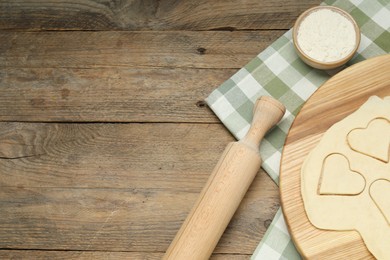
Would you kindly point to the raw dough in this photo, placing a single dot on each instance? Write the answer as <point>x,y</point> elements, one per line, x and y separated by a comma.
<point>380,194</point>
<point>338,179</point>
<point>370,140</point>
<point>361,144</point>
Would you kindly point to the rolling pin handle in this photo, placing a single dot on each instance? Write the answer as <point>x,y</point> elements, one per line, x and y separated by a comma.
<point>267,112</point>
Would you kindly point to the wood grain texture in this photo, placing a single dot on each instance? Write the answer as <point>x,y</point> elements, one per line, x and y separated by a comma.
<point>116,187</point>
<point>337,98</point>
<point>108,95</point>
<point>150,49</point>
<point>119,76</point>
<point>150,14</point>
<point>58,255</point>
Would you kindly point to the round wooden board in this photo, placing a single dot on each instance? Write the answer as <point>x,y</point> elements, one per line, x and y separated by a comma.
<point>338,97</point>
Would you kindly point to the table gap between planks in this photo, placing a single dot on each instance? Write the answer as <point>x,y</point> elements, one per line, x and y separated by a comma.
<point>105,140</point>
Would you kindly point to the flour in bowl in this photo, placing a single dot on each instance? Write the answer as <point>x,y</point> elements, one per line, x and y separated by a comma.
<point>326,36</point>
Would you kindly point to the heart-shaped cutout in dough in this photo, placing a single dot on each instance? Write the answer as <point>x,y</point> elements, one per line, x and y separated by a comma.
<point>380,194</point>
<point>366,141</point>
<point>338,179</point>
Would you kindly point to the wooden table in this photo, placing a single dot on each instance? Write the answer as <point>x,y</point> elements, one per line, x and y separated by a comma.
<point>105,140</point>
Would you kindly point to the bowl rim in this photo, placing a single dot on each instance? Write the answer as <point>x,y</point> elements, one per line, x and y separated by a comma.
<point>338,10</point>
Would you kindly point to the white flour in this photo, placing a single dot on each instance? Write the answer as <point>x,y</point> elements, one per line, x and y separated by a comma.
<point>326,35</point>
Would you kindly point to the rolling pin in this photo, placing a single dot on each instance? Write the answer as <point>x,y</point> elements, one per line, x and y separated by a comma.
<point>225,187</point>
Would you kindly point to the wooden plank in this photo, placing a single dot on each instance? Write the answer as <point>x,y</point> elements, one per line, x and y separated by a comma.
<point>171,49</point>
<point>54,255</point>
<point>109,155</point>
<point>119,76</point>
<point>81,255</point>
<point>121,187</point>
<point>121,219</point>
<point>108,95</point>
<point>151,15</point>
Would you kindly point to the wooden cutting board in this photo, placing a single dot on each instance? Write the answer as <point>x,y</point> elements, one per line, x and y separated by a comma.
<point>338,97</point>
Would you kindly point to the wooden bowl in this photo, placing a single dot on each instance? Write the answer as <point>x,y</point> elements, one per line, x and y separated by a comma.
<point>320,64</point>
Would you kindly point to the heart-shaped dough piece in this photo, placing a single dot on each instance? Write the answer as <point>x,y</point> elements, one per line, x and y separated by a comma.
<point>366,141</point>
<point>338,179</point>
<point>380,194</point>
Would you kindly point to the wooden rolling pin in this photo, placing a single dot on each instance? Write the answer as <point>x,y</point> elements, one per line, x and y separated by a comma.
<point>225,188</point>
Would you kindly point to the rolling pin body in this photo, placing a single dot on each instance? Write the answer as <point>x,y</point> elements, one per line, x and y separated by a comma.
<point>225,188</point>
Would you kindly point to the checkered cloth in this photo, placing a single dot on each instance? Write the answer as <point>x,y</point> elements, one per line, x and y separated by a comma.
<point>278,72</point>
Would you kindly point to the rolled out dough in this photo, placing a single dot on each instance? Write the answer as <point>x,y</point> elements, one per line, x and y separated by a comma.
<point>346,177</point>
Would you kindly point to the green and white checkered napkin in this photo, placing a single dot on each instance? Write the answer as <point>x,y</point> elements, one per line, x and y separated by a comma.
<point>278,72</point>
